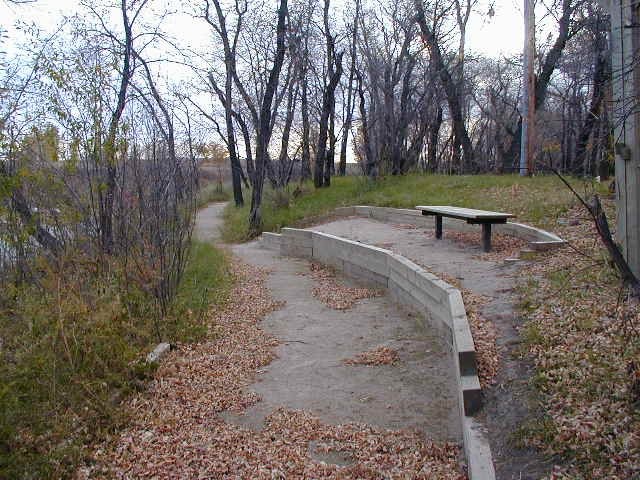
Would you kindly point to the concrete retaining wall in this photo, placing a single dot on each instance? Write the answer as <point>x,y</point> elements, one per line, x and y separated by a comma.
<point>438,304</point>
<point>538,239</point>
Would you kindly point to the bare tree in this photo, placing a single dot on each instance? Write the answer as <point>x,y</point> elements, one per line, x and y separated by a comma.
<point>461,136</point>
<point>346,126</point>
<point>265,124</point>
<point>219,25</point>
<point>324,158</point>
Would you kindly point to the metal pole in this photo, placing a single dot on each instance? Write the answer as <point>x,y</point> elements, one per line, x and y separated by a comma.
<point>528,91</point>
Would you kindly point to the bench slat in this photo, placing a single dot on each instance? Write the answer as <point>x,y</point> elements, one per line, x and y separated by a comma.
<point>464,213</point>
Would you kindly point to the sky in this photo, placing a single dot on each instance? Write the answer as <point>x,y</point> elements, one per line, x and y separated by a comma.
<point>501,34</point>
<point>498,35</point>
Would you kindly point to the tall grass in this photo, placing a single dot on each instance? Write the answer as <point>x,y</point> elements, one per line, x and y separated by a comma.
<point>71,349</point>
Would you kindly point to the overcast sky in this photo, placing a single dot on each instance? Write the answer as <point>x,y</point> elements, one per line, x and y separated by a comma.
<point>499,35</point>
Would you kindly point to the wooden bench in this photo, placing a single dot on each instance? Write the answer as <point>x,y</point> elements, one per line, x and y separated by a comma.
<point>481,217</point>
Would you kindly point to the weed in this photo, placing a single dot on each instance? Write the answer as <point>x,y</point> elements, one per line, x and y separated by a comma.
<point>71,350</point>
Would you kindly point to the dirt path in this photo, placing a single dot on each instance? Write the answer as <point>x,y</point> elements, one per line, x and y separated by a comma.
<point>508,400</point>
<point>269,396</point>
<point>208,223</point>
<point>309,373</point>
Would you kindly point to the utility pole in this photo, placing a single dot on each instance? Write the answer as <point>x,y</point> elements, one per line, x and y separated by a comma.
<point>528,91</point>
<point>625,43</point>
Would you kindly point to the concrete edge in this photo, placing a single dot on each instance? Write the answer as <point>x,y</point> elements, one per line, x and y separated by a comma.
<point>440,303</point>
<point>477,450</point>
<point>271,241</point>
<point>160,351</point>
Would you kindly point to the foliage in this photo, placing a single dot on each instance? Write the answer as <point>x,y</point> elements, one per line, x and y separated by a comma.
<point>72,350</point>
<point>536,200</point>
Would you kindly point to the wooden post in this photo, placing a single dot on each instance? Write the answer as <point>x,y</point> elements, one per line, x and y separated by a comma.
<point>625,40</point>
<point>439,227</point>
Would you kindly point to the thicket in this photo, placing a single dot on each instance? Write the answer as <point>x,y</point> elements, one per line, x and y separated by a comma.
<point>97,264</point>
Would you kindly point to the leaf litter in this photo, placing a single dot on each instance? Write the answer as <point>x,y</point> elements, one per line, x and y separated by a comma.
<point>177,431</point>
<point>483,330</point>
<point>374,357</point>
<point>333,293</point>
<point>582,335</point>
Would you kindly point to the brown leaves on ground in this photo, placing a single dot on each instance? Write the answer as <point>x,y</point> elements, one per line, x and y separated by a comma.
<point>482,329</point>
<point>374,357</point>
<point>177,431</point>
<point>484,338</point>
<point>335,294</point>
<point>502,246</point>
<point>583,336</point>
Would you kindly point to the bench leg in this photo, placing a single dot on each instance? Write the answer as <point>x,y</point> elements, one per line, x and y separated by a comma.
<point>486,237</point>
<point>439,227</point>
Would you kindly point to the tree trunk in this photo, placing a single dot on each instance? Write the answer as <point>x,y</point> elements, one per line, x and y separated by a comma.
<point>283,158</point>
<point>107,198</point>
<point>600,77</point>
<point>346,128</point>
<point>461,136</point>
<point>370,164</point>
<point>434,136</point>
<point>320,176</point>
<point>264,124</point>
<point>305,167</point>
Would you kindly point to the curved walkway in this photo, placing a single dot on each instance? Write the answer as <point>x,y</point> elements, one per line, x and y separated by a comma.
<point>305,381</point>
<point>315,339</point>
<point>507,401</point>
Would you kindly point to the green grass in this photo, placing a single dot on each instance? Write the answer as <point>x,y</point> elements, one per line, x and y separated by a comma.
<point>206,282</point>
<point>537,201</point>
<point>213,192</point>
<point>72,348</point>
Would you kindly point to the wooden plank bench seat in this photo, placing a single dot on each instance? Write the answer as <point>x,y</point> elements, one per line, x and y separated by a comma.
<point>481,217</point>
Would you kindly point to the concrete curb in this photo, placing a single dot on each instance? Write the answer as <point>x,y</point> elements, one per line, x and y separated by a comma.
<point>439,304</point>
<point>160,351</point>
<point>538,239</point>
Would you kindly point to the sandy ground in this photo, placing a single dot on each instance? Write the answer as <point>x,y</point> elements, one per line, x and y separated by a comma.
<point>309,374</point>
<point>507,402</point>
<point>417,392</point>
